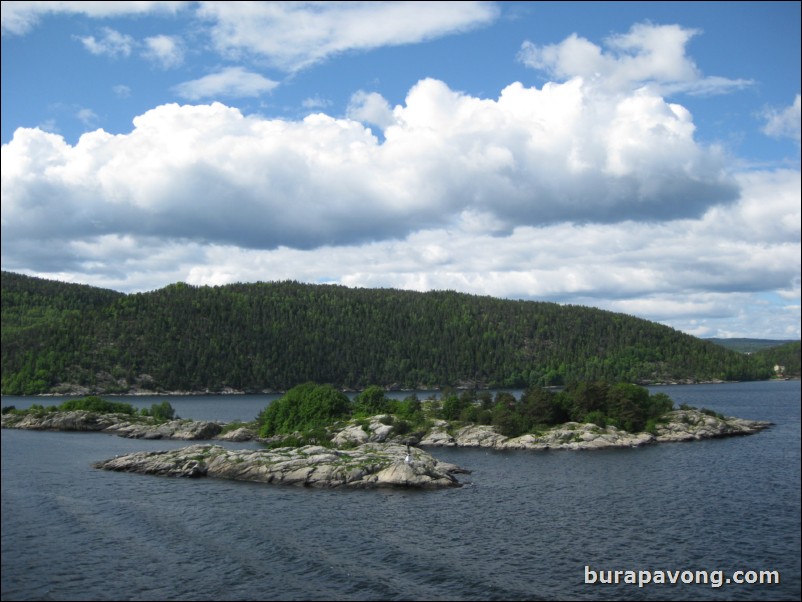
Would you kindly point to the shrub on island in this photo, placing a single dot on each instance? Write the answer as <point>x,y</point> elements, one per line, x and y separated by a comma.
<point>304,408</point>
<point>93,403</point>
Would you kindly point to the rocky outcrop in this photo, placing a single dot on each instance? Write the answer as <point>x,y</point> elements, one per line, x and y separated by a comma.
<point>185,430</point>
<point>367,466</point>
<point>372,430</point>
<point>237,435</point>
<point>122,425</point>
<point>691,425</point>
<point>571,435</point>
<point>679,425</point>
<point>78,420</point>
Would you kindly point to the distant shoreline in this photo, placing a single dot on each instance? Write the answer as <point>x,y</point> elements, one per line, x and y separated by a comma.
<point>237,392</point>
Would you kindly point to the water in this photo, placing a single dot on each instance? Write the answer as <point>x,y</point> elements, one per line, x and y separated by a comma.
<point>523,528</point>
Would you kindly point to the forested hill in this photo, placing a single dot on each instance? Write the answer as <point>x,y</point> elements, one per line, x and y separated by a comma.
<point>264,336</point>
<point>749,345</point>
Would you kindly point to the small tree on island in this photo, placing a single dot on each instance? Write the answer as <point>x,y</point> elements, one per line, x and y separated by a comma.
<point>303,408</point>
<point>162,412</point>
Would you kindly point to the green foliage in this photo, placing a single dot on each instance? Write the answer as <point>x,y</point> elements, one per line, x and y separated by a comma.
<point>162,412</point>
<point>401,427</point>
<point>94,403</point>
<point>304,408</point>
<point>596,417</point>
<point>410,411</point>
<point>787,356</point>
<point>748,345</point>
<point>372,401</point>
<point>454,405</point>
<point>274,335</point>
<point>624,405</point>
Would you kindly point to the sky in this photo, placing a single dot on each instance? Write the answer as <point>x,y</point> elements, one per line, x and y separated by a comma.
<point>638,157</point>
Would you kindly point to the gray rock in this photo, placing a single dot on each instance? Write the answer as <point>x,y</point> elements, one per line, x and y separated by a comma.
<point>690,425</point>
<point>237,435</point>
<point>123,425</point>
<point>680,425</point>
<point>370,465</point>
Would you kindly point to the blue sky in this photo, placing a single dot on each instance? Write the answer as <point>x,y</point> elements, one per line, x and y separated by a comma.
<point>638,157</point>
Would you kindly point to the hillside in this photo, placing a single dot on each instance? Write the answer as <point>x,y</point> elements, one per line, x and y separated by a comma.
<point>749,345</point>
<point>272,336</point>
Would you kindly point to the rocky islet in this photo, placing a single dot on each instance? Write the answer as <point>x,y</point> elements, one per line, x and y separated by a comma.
<point>365,454</point>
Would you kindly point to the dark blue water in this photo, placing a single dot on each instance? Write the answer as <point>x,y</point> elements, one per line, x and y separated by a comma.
<point>524,527</point>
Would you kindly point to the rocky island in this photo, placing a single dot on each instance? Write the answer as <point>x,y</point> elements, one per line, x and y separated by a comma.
<point>678,425</point>
<point>320,438</point>
<point>367,466</point>
<point>123,425</point>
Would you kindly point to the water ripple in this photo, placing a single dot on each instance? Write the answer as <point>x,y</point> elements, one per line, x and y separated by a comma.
<point>524,529</point>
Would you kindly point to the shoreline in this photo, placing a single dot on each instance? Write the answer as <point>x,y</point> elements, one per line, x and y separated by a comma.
<point>390,389</point>
<point>676,425</point>
<point>363,454</point>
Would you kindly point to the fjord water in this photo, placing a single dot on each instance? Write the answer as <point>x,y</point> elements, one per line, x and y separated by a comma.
<point>524,526</point>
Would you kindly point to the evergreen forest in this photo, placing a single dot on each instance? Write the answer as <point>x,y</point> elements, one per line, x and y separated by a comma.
<point>269,336</point>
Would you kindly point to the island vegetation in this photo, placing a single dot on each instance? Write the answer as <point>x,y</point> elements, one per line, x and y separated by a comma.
<point>581,416</point>
<point>309,411</point>
<point>159,412</point>
<point>271,336</point>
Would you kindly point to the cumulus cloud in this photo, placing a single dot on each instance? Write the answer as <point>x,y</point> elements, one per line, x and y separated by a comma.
<point>231,82</point>
<point>166,51</point>
<point>208,173</point>
<point>294,35</point>
<point>112,43</point>
<point>370,107</point>
<point>648,54</point>
<point>784,123</point>
<point>19,17</point>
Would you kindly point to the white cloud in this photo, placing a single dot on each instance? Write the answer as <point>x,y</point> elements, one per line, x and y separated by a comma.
<point>370,107</point>
<point>19,17</point>
<point>122,91</point>
<point>88,117</point>
<point>294,35</point>
<point>316,102</point>
<point>164,50</point>
<point>532,157</point>
<point>112,43</point>
<point>784,123</point>
<point>648,54</point>
<point>231,82</point>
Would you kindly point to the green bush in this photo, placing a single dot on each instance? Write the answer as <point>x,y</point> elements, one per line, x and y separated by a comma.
<point>628,407</point>
<point>162,412</point>
<point>372,401</point>
<point>94,403</point>
<point>597,418</point>
<point>401,427</point>
<point>305,407</point>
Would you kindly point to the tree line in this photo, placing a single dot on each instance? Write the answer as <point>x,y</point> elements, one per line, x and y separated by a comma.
<point>308,411</point>
<point>275,335</point>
